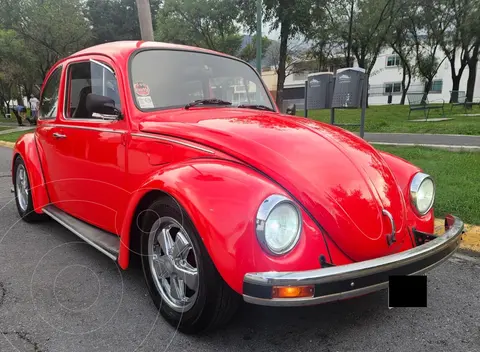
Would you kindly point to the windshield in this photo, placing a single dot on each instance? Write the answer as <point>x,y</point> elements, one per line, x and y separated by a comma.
<point>167,78</point>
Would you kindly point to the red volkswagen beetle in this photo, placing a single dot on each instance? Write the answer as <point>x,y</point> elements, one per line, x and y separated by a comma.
<point>180,156</point>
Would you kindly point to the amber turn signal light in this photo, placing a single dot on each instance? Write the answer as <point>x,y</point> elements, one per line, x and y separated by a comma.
<point>292,291</point>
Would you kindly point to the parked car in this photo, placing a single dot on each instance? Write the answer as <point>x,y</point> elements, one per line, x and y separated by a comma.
<point>140,152</point>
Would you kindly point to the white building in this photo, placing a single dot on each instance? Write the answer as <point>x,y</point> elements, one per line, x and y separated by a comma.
<point>386,77</point>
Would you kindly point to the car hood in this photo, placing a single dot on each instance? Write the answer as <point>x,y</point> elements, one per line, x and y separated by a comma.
<point>341,180</point>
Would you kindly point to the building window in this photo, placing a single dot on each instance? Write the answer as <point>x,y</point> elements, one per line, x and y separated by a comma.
<point>393,88</point>
<point>393,61</point>
<point>437,86</point>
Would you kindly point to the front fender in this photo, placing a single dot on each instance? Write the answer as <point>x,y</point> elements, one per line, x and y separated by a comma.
<point>404,172</point>
<point>26,148</point>
<point>222,198</point>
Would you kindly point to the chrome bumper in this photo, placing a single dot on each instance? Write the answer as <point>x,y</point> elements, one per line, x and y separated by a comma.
<point>351,280</point>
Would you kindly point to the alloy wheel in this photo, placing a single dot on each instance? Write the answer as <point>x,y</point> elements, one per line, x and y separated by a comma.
<point>173,264</point>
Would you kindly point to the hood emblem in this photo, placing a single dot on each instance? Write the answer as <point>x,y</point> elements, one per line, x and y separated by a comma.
<point>391,236</point>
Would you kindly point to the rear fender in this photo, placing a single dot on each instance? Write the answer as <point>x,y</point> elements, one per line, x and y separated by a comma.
<point>26,148</point>
<point>404,172</point>
<point>221,199</point>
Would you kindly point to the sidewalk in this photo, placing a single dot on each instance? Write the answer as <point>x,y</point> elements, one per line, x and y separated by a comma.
<point>446,141</point>
<point>17,129</point>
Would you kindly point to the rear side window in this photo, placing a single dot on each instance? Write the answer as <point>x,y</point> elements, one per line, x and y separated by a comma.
<point>49,100</point>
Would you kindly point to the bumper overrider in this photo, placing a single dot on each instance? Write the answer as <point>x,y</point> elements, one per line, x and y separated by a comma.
<point>340,282</point>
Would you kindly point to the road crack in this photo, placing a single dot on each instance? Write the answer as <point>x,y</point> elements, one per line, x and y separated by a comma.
<point>23,336</point>
<point>3,292</point>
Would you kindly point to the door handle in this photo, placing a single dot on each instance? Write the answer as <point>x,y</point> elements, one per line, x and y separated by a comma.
<point>59,135</point>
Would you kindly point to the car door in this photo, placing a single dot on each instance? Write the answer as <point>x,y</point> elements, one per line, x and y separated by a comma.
<point>89,176</point>
<point>46,131</point>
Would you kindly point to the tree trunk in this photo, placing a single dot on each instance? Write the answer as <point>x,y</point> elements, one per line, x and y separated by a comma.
<point>284,33</point>
<point>472,72</point>
<point>455,88</point>
<point>404,89</point>
<point>349,49</point>
<point>472,76</point>
<point>428,86</point>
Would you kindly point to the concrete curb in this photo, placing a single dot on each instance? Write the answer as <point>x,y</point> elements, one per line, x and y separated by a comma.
<point>470,240</point>
<point>7,144</point>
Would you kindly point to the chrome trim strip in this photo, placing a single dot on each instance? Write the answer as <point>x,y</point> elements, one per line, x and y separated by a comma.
<point>172,140</point>
<point>99,129</point>
<point>354,271</point>
<point>66,225</point>
<point>263,213</point>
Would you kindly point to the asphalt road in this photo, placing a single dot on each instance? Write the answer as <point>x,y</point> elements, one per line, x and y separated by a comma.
<point>59,294</point>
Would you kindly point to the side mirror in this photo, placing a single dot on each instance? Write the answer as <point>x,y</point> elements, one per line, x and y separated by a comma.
<point>99,106</point>
<point>291,110</point>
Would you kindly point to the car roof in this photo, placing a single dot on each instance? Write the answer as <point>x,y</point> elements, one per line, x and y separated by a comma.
<point>125,48</point>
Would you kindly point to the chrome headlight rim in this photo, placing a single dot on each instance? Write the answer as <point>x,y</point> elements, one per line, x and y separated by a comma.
<point>415,186</point>
<point>264,211</point>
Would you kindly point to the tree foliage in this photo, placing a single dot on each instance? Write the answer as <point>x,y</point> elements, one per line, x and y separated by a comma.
<point>363,25</point>
<point>113,20</point>
<point>291,17</point>
<point>249,52</point>
<point>202,23</point>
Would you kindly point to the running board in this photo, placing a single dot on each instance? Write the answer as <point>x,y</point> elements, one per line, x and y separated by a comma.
<point>106,242</point>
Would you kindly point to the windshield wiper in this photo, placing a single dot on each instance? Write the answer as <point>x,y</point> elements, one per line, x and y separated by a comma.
<point>207,102</point>
<point>256,107</point>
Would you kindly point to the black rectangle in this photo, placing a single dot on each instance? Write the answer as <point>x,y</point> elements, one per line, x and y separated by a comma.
<point>407,291</point>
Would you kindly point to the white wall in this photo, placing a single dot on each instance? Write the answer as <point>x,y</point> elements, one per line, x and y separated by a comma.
<point>381,74</point>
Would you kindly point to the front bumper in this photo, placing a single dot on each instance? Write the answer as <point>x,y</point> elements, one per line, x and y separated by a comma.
<point>351,280</point>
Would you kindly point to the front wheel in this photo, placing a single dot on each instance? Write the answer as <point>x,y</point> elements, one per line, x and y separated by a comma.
<point>182,280</point>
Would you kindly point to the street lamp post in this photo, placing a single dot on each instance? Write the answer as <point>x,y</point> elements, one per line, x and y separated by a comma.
<point>259,36</point>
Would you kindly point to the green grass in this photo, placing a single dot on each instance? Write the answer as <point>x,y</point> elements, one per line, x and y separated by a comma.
<point>4,128</point>
<point>456,175</point>
<point>12,137</point>
<point>394,119</point>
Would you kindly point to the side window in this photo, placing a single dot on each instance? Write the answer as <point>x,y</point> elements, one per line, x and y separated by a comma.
<point>49,99</point>
<point>85,78</point>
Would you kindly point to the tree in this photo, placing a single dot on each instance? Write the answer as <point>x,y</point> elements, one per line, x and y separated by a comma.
<point>459,36</point>
<point>296,60</point>
<point>291,17</point>
<point>403,45</point>
<point>14,62</point>
<point>113,20</point>
<point>428,25</point>
<point>249,52</point>
<point>202,23</point>
<point>472,62</point>
<point>472,55</point>
<point>363,25</point>
<point>52,29</point>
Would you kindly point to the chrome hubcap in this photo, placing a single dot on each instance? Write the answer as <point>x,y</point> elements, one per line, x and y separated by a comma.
<point>21,185</point>
<point>173,263</point>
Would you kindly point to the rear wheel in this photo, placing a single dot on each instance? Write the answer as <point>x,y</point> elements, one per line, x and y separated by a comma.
<point>182,280</point>
<point>23,194</point>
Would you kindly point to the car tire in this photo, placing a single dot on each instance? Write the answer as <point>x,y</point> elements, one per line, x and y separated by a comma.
<point>23,194</point>
<point>214,303</point>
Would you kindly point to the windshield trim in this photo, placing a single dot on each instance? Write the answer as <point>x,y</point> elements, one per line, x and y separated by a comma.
<point>227,57</point>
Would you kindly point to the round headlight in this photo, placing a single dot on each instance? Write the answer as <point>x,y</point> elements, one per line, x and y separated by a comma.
<point>279,224</point>
<point>422,193</point>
